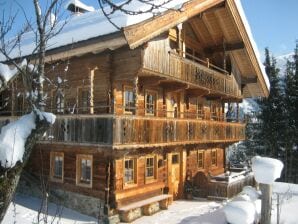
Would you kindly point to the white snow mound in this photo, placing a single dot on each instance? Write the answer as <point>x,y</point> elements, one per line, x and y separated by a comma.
<point>240,212</point>
<point>266,170</point>
<point>13,138</point>
<point>251,192</point>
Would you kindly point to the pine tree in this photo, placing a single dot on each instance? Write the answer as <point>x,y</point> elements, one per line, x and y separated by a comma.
<point>271,112</point>
<point>291,115</point>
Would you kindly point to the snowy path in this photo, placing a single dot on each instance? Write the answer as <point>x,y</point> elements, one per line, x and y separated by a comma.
<point>187,212</point>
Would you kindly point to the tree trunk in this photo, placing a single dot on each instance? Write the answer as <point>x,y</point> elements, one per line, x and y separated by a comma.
<point>266,190</point>
<point>9,178</point>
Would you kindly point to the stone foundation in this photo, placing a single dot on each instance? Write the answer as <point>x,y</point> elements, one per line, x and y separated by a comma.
<point>84,204</point>
<point>151,208</point>
<point>131,215</point>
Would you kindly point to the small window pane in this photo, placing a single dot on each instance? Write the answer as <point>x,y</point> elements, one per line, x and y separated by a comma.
<point>214,157</point>
<point>200,159</point>
<point>150,167</point>
<point>85,170</point>
<point>129,171</point>
<point>175,159</point>
<point>150,103</point>
<point>129,100</point>
<point>58,166</point>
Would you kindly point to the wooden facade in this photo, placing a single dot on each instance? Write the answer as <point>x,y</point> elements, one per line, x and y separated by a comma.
<point>140,121</point>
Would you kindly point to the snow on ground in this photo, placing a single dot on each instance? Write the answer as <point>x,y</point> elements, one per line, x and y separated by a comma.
<point>288,201</point>
<point>187,212</point>
<point>25,212</point>
<point>180,212</point>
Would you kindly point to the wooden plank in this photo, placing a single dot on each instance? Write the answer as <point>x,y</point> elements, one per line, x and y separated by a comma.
<point>139,190</point>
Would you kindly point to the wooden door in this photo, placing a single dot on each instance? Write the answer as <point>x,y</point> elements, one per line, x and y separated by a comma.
<point>173,104</point>
<point>175,177</point>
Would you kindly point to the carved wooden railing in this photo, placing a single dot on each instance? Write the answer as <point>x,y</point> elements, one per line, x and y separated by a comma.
<point>126,130</point>
<point>198,72</point>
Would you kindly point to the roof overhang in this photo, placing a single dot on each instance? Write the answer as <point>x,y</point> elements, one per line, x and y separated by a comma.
<point>142,32</point>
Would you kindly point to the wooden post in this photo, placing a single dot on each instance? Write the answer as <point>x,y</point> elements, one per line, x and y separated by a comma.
<point>266,190</point>
<point>278,210</point>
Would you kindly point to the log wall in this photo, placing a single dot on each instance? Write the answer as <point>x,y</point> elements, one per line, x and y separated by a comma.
<point>39,164</point>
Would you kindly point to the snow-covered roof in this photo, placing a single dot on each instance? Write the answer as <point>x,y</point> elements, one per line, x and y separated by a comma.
<point>76,3</point>
<point>253,43</point>
<point>90,25</point>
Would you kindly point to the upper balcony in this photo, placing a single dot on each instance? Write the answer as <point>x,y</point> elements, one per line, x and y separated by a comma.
<point>194,72</point>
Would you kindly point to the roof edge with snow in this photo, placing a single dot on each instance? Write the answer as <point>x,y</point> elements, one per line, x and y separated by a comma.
<point>251,46</point>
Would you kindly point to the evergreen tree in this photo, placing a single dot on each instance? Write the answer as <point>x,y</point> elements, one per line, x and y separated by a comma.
<point>271,112</point>
<point>291,115</point>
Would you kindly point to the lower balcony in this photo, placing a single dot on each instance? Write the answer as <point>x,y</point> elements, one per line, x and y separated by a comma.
<point>127,131</point>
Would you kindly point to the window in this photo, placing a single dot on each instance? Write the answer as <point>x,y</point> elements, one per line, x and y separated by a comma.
<point>84,170</point>
<point>19,105</point>
<point>58,101</point>
<point>129,100</point>
<point>57,159</point>
<point>129,171</point>
<point>200,110</point>
<point>200,159</point>
<point>150,168</point>
<point>4,101</point>
<point>213,112</point>
<point>84,100</point>
<point>214,157</point>
<point>175,158</point>
<point>150,102</point>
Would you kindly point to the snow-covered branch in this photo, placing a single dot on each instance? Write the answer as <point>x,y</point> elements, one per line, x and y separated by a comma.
<point>14,135</point>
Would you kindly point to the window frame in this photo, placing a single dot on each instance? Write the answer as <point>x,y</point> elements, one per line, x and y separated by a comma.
<point>154,94</point>
<point>79,159</point>
<point>80,101</point>
<point>149,179</point>
<point>129,109</point>
<point>58,108</point>
<point>214,157</point>
<point>53,156</point>
<point>132,182</point>
<point>200,160</point>
<point>213,111</point>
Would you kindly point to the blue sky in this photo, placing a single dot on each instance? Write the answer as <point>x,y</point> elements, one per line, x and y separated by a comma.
<point>274,23</point>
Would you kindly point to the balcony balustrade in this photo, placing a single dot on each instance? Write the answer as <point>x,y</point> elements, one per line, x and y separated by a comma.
<point>194,71</point>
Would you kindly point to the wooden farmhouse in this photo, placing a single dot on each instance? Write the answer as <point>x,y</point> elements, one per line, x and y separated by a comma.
<point>141,116</point>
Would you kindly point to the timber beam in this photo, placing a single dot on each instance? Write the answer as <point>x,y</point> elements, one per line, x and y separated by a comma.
<point>173,86</point>
<point>227,47</point>
<point>246,80</point>
<point>150,80</point>
<point>196,92</point>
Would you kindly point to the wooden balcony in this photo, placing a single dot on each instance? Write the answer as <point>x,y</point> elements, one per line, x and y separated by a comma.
<point>133,131</point>
<point>196,72</point>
